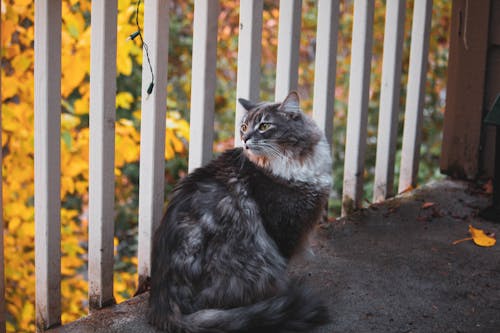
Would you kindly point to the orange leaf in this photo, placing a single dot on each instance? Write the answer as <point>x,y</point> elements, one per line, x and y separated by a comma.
<point>408,189</point>
<point>481,238</point>
<point>427,204</point>
<point>488,187</point>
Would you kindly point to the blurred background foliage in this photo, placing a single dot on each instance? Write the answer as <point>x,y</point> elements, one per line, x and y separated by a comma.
<point>17,125</point>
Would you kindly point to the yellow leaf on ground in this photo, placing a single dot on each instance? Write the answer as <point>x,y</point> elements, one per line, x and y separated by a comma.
<point>481,238</point>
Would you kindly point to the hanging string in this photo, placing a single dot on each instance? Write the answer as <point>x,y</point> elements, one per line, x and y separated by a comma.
<point>144,46</point>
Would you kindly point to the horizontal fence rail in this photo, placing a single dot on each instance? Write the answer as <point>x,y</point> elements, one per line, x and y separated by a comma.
<point>203,89</point>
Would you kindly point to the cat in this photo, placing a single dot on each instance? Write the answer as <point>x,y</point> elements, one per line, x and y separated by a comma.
<point>220,254</point>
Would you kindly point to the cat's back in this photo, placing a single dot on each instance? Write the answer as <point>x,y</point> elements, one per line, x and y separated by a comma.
<point>215,175</point>
<point>199,207</point>
<point>201,190</point>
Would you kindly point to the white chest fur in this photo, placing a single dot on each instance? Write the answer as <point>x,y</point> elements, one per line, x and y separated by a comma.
<point>314,169</point>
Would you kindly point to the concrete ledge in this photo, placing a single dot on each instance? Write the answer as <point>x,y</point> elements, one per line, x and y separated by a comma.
<point>388,268</point>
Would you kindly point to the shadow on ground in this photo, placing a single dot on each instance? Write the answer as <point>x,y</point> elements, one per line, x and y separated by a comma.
<point>388,268</point>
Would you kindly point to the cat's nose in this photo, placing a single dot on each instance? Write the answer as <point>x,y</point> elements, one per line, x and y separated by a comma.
<point>244,140</point>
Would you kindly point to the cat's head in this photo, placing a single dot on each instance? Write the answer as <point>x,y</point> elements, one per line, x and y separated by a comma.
<point>277,131</point>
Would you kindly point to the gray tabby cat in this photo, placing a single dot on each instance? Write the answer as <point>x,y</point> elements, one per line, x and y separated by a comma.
<point>220,254</point>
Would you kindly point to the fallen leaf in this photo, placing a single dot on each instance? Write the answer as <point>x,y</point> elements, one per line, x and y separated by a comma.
<point>408,189</point>
<point>488,187</point>
<point>481,238</point>
<point>427,204</point>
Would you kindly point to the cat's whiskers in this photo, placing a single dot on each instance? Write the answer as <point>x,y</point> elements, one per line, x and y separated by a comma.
<point>261,153</point>
<point>272,149</point>
<point>313,168</point>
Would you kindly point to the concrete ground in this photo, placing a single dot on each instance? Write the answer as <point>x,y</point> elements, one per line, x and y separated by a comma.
<point>389,268</point>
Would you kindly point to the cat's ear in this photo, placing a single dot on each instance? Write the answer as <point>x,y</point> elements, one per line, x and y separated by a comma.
<point>246,104</point>
<point>291,105</point>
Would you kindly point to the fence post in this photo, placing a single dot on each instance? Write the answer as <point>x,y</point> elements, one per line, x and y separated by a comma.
<point>389,99</point>
<point>287,67</point>
<point>326,64</point>
<point>154,106</point>
<point>359,85</point>
<point>48,162</point>
<point>249,56</point>
<point>410,152</point>
<point>206,13</point>
<point>102,152</point>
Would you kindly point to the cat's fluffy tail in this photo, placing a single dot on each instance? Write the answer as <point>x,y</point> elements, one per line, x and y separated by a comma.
<point>296,310</point>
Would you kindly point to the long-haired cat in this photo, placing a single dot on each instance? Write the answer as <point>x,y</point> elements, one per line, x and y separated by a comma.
<point>220,253</point>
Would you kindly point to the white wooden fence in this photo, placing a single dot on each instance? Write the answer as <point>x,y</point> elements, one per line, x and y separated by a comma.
<point>102,117</point>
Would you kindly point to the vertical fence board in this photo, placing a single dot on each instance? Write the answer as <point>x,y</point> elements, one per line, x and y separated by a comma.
<point>154,106</point>
<point>287,67</point>
<point>410,155</point>
<point>206,14</point>
<point>325,66</point>
<point>465,151</point>
<point>102,152</point>
<point>47,162</point>
<point>389,99</point>
<point>362,37</point>
<point>249,56</point>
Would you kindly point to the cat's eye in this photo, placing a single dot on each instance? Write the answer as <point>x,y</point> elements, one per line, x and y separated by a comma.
<point>264,127</point>
<point>243,128</point>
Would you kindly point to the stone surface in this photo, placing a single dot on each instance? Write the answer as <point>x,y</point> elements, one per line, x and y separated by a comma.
<point>389,268</point>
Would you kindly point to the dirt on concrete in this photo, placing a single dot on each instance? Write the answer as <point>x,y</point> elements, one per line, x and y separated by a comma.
<point>391,267</point>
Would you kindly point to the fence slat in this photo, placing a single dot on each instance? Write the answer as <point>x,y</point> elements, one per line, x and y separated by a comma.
<point>102,152</point>
<point>410,154</point>
<point>389,99</point>
<point>362,37</point>
<point>154,106</point>
<point>249,57</point>
<point>2,262</point>
<point>201,135</point>
<point>287,67</point>
<point>47,162</point>
<point>326,64</point>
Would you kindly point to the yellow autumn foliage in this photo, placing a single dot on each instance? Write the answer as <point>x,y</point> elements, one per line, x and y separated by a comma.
<point>17,35</point>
